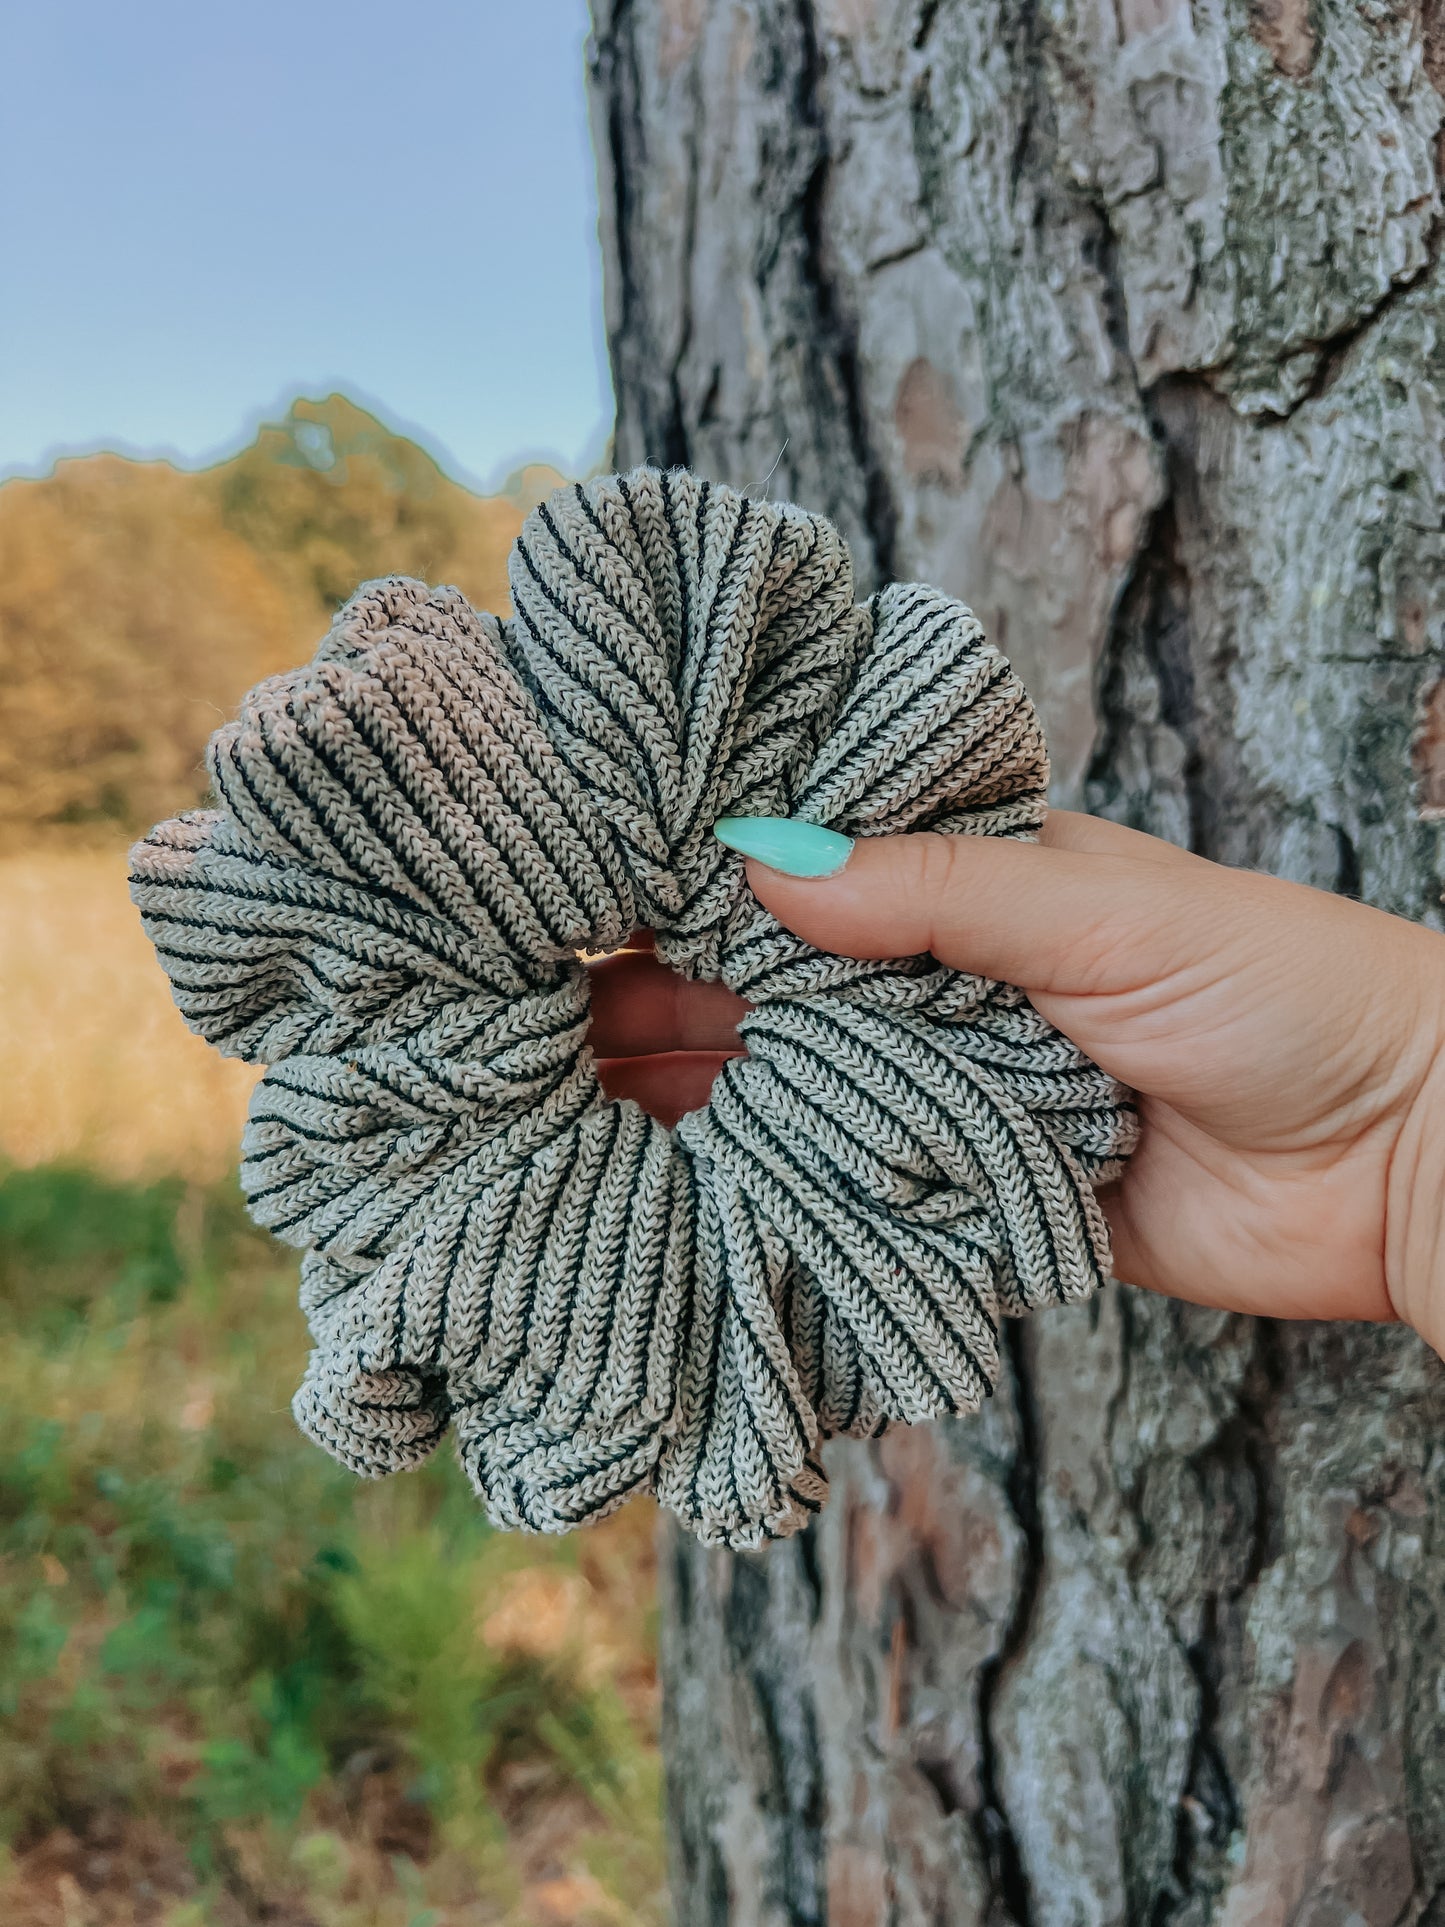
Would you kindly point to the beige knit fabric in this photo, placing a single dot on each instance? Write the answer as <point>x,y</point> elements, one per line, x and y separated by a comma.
<point>416,833</point>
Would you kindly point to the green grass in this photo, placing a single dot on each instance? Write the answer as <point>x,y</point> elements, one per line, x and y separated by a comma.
<point>212,1636</point>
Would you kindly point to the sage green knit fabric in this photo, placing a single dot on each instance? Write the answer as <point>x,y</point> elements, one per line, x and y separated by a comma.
<point>415,834</point>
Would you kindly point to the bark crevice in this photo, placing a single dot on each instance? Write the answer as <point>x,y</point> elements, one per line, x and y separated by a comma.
<point>997,1839</point>
<point>836,327</point>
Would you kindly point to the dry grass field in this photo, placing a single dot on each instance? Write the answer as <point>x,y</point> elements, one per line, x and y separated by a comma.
<point>98,1067</point>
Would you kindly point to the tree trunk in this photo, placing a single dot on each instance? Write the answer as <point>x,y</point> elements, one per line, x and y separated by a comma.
<point>1122,320</point>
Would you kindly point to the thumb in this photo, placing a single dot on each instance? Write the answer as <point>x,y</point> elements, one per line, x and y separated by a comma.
<point>1093,907</point>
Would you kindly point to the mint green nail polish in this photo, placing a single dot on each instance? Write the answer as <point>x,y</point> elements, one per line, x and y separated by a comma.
<point>783,843</point>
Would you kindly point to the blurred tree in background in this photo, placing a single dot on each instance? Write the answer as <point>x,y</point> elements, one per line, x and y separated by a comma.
<point>138,602</point>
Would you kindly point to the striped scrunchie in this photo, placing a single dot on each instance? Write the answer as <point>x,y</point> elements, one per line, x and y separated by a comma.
<point>414,836</point>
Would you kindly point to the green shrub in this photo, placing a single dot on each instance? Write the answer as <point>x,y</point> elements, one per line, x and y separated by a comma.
<point>205,1622</point>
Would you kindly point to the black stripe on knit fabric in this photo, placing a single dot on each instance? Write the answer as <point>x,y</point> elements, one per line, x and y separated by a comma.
<point>448,1072</point>
<point>550,861</point>
<point>859,697</point>
<point>374,1075</point>
<point>301,847</point>
<point>582,821</point>
<point>887,1311</point>
<point>855,1397</point>
<point>628,1450</point>
<point>347,1188</point>
<point>415,1403</point>
<point>767,616</point>
<point>708,653</point>
<point>354,789</point>
<point>699,530</point>
<point>704,1445</point>
<point>502,915</point>
<point>1026,1165</point>
<point>499,1246</point>
<point>778,610</point>
<point>589,786</point>
<point>529,1282</point>
<point>896,1066</point>
<point>412,1196</point>
<point>398,1318</point>
<point>592,689</point>
<point>773,1479</point>
<point>333,914</point>
<point>309,875</point>
<point>760,1259</point>
<point>627,724</point>
<point>315,805</point>
<point>614,1286</point>
<point>791,1285</point>
<point>230,757</point>
<point>286,966</point>
<point>841,1119</point>
<point>881,664</point>
<point>521,1499</point>
<point>723,586</point>
<point>789,718</point>
<point>779,681</point>
<point>346,1285</point>
<point>448,1276</point>
<point>786,1295</point>
<point>206,1002</point>
<point>731,1442</point>
<point>820,1355</point>
<point>395,844</point>
<point>898,1261</point>
<point>669,515</point>
<point>589,1217</point>
<point>643,1342</point>
<point>580,1105</point>
<point>879,747</point>
<point>553,856</point>
<point>627,502</point>
<point>299,1130</point>
<point>760,1352</point>
<point>375,1246</point>
<point>1024,1160</point>
<point>766,939</point>
<point>587,574</point>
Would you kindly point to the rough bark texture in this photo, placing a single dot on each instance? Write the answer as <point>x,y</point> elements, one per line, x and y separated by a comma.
<point>1125,321</point>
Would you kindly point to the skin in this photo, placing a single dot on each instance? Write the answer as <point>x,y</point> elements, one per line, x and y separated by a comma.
<point>1287,1046</point>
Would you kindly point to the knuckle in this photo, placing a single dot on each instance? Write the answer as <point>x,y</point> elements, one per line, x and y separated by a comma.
<point>938,866</point>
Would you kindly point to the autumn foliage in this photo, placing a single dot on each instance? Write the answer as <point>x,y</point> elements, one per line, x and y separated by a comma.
<point>139,601</point>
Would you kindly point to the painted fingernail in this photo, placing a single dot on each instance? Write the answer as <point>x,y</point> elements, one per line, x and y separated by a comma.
<point>783,843</point>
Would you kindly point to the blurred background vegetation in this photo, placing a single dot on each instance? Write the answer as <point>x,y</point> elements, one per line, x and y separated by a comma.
<point>236,1684</point>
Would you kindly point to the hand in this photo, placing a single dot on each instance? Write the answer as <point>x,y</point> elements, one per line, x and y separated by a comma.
<point>658,1037</point>
<point>1288,1047</point>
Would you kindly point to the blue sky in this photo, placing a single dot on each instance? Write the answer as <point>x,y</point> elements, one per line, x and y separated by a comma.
<point>209,206</point>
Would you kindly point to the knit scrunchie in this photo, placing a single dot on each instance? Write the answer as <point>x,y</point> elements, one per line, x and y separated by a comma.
<point>414,836</point>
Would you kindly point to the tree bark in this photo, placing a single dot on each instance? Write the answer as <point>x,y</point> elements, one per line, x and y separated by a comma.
<point>1122,320</point>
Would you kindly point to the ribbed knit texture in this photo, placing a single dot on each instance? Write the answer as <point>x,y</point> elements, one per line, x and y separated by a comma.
<point>414,836</point>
